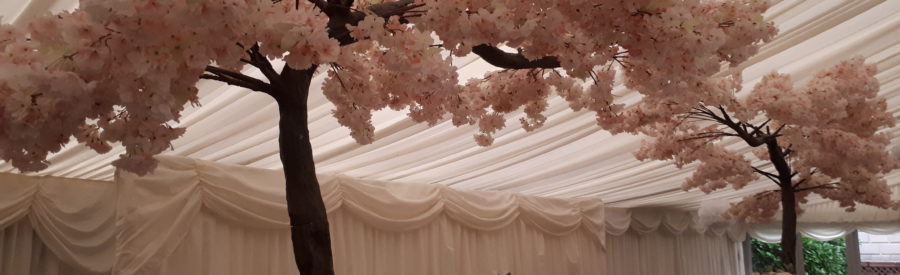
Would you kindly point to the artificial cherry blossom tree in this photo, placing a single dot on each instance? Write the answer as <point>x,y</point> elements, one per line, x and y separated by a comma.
<point>120,71</point>
<point>819,139</point>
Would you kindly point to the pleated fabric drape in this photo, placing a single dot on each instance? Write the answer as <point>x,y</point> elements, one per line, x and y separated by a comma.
<point>648,220</point>
<point>197,217</point>
<point>664,252</point>
<point>59,222</point>
<point>216,246</point>
<point>23,252</point>
<point>450,248</point>
<point>653,241</point>
<point>771,233</point>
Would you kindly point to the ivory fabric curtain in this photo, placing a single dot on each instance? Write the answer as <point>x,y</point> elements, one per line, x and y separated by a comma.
<point>654,241</point>
<point>771,233</point>
<point>197,217</point>
<point>664,252</point>
<point>47,222</point>
<point>23,252</point>
<point>215,246</point>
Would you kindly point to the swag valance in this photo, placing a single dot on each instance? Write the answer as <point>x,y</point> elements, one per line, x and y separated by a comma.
<point>133,226</point>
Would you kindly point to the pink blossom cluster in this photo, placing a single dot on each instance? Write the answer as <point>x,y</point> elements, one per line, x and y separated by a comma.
<point>395,66</point>
<point>757,208</point>
<point>122,70</point>
<point>676,141</point>
<point>401,66</point>
<point>830,135</point>
<point>666,50</point>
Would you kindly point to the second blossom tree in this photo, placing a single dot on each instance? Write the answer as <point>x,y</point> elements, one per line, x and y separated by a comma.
<point>823,138</point>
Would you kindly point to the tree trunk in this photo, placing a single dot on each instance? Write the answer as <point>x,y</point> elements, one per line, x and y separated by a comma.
<point>309,222</point>
<point>788,230</point>
<point>788,206</point>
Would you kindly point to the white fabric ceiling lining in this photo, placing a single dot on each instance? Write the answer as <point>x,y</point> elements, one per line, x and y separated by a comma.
<point>569,157</point>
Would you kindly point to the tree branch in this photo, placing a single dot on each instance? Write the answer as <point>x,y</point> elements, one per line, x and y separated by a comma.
<point>771,176</point>
<point>803,180</point>
<point>516,61</point>
<point>321,4</point>
<point>260,61</point>
<point>777,131</point>
<point>706,135</point>
<point>705,113</point>
<point>823,186</point>
<point>738,127</point>
<point>231,81</point>
<point>340,15</point>
<point>398,8</point>
<point>757,129</point>
<point>335,8</point>
<point>236,79</point>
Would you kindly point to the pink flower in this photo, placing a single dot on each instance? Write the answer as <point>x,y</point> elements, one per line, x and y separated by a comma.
<point>131,65</point>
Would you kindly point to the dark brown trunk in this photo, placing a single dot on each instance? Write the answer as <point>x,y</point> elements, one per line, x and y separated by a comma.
<point>788,231</point>
<point>309,222</point>
<point>788,207</point>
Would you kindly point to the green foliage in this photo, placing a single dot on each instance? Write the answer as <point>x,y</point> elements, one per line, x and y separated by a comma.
<point>824,258</point>
<point>765,256</point>
<point>819,258</point>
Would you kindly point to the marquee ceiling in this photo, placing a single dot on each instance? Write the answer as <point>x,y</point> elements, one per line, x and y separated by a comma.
<point>569,157</point>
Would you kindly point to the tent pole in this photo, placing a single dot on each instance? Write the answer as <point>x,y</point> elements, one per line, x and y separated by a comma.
<point>798,255</point>
<point>854,262</point>
<point>748,255</point>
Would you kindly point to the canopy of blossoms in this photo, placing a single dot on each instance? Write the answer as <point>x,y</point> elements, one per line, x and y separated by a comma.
<point>121,71</point>
<point>150,113</point>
